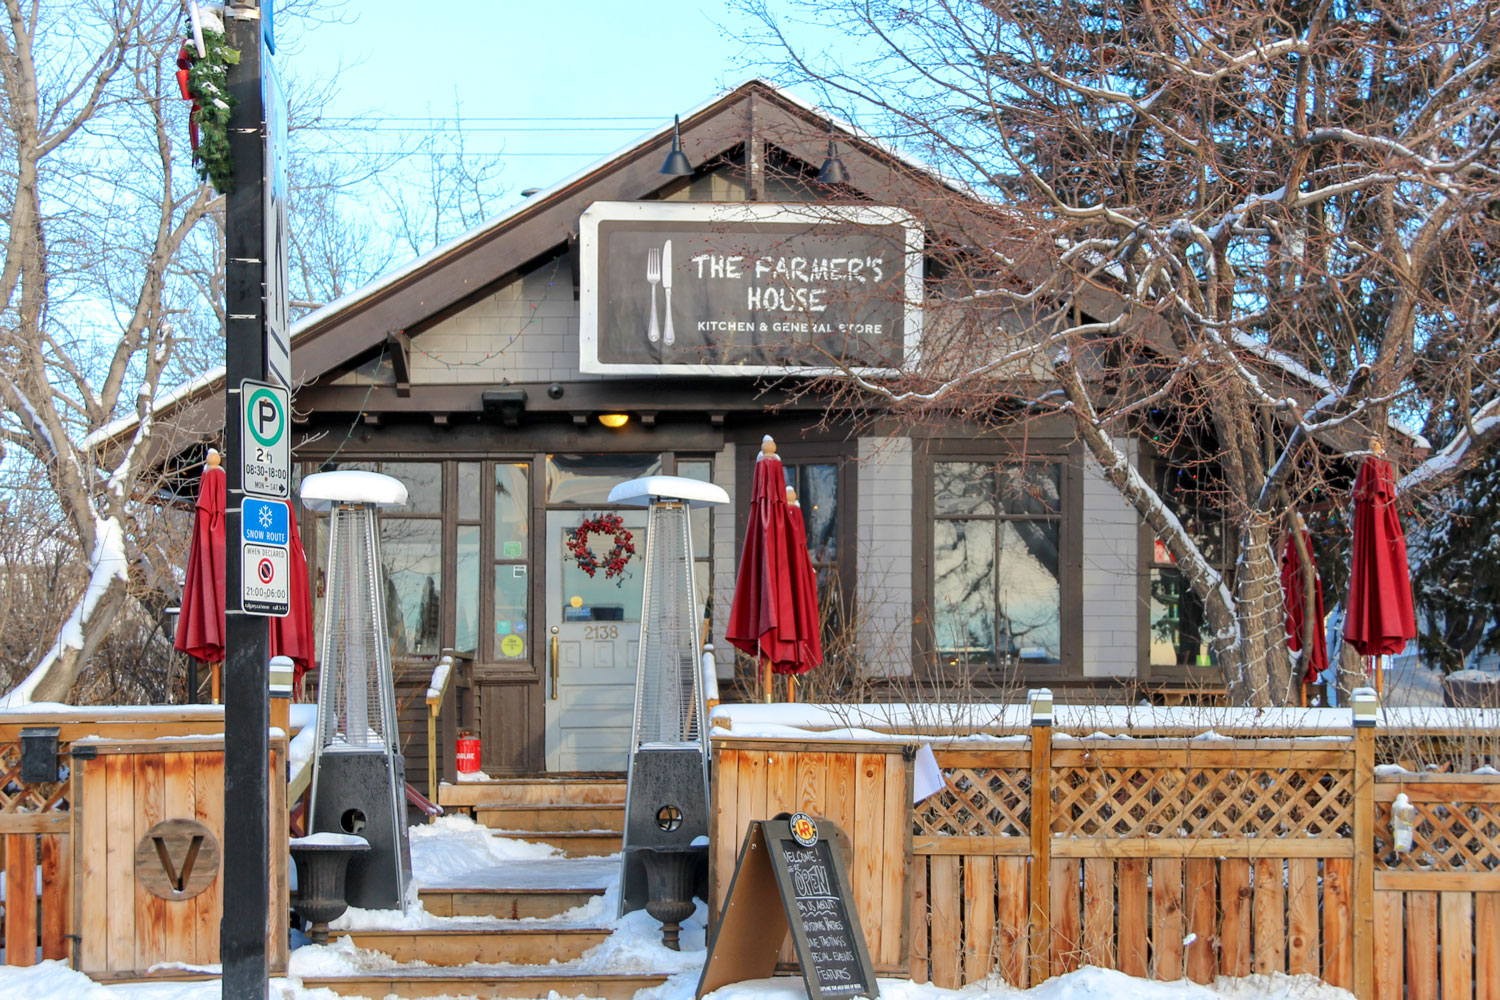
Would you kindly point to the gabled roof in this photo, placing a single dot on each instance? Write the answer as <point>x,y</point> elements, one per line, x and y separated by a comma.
<point>346,329</point>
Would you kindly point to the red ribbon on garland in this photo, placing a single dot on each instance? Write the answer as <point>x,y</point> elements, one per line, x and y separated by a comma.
<point>185,60</point>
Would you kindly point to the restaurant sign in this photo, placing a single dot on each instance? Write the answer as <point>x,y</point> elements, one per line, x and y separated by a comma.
<point>747,288</point>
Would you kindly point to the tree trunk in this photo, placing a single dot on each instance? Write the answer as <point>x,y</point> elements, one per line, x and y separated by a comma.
<point>1259,670</point>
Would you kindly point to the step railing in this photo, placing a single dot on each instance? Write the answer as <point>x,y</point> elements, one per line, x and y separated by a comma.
<point>451,673</point>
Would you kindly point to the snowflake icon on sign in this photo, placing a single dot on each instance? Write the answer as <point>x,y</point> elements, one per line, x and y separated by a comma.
<point>265,517</point>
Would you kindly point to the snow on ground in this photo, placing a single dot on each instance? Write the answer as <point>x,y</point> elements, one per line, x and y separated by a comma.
<point>455,851</point>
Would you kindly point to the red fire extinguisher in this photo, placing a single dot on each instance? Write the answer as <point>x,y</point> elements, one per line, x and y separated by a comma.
<point>468,752</point>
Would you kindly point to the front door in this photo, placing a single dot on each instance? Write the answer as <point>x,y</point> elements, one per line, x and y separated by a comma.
<point>593,636</point>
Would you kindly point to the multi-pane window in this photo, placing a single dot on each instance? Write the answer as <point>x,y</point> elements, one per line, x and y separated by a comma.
<point>1177,630</point>
<point>996,583</point>
<point>512,552</point>
<point>817,486</point>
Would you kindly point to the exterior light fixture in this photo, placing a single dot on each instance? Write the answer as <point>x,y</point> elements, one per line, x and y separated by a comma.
<point>614,421</point>
<point>677,162</point>
<point>1040,700</point>
<point>833,171</point>
<point>1366,707</point>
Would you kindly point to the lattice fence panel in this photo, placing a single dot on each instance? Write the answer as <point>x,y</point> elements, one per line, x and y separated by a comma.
<point>1200,802</point>
<point>19,797</point>
<point>979,802</point>
<point>1448,836</point>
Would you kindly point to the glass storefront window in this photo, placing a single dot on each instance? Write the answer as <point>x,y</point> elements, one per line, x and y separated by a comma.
<point>424,485</point>
<point>512,630</point>
<point>587,479</point>
<point>470,494</point>
<point>466,592</point>
<point>412,553</point>
<point>512,510</point>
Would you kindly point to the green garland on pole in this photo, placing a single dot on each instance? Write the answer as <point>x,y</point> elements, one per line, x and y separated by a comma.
<point>208,82</point>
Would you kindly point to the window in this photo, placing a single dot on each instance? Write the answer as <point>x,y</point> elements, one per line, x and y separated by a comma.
<point>822,473</point>
<point>427,568</point>
<point>998,589</point>
<point>1176,637</point>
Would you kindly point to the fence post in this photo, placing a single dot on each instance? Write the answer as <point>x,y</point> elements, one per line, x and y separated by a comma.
<point>1040,888</point>
<point>1365,710</point>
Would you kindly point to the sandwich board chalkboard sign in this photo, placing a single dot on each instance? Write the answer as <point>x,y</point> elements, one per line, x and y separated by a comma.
<point>793,859</point>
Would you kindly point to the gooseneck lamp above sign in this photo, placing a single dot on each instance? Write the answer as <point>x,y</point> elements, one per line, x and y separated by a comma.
<point>666,789</point>
<point>832,171</point>
<point>677,162</point>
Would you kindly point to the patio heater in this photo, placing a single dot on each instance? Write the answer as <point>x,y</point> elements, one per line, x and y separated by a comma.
<point>666,789</point>
<point>359,777</point>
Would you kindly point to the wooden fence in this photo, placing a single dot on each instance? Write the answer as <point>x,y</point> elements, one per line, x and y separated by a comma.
<point>1165,858</point>
<point>73,886</point>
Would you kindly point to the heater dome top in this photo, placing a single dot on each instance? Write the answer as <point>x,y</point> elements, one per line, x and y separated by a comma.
<point>693,492</point>
<point>322,490</point>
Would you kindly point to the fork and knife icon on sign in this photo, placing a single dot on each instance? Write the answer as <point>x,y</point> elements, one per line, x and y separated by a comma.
<point>659,272</point>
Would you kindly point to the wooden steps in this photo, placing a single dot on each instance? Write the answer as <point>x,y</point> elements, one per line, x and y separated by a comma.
<point>447,946</point>
<point>507,904</point>
<point>549,789</point>
<point>486,983</point>
<point>560,816</point>
<point>582,815</point>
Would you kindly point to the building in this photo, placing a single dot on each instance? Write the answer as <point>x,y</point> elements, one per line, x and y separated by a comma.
<point>510,378</point>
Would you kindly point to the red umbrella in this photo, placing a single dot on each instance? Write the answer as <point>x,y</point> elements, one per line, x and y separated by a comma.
<point>774,616</point>
<point>200,625</point>
<point>1297,567</point>
<point>292,636</point>
<point>1380,619</point>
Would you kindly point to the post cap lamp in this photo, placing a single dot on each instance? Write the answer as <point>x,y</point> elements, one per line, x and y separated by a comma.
<point>1366,707</point>
<point>1040,701</point>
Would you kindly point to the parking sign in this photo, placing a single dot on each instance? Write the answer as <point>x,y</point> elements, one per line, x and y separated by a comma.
<point>265,439</point>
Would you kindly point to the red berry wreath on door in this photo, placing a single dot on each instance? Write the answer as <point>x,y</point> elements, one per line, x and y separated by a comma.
<point>615,559</point>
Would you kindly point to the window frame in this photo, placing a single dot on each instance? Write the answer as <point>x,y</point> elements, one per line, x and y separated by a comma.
<point>1151,460</point>
<point>842,454</point>
<point>1068,456</point>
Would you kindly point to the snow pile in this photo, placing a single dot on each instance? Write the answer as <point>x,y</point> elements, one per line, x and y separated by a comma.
<point>1085,984</point>
<point>452,847</point>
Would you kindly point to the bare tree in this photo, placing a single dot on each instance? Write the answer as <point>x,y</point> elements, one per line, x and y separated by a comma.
<point>86,308</point>
<point>1253,237</point>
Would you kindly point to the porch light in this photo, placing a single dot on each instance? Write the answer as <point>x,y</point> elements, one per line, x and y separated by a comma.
<point>832,171</point>
<point>1366,707</point>
<point>614,421</point>
<point>677,162</point>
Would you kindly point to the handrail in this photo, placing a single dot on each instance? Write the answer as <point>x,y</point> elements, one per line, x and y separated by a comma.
<point>437,691</point>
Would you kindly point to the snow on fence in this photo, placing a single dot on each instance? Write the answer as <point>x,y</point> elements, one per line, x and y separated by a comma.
<point>74,885</point>
<point>1164,857</point>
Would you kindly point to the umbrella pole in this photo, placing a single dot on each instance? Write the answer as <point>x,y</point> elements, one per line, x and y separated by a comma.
<point>214,682</point>
<point>791,688</point>
<point>1303,688</point>
<point>766,680</point>
<point>1380,677</point>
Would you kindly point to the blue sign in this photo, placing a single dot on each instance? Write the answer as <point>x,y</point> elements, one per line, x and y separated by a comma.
<point>265,522</point>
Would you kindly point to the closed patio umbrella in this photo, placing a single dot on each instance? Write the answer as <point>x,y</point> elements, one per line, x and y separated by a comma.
<point>200,625</point>
<point>1380,619</point>
<point>1298,571</point>
<point>774,617</point>
<point>292,636</point>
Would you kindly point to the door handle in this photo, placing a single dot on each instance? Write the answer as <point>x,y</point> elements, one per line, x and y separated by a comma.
<point>554,663</point>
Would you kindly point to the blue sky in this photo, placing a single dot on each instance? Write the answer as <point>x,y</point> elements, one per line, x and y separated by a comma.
<point>635,63</point>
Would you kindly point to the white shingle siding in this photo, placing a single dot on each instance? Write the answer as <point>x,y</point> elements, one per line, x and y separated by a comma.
<point>530,324</point>
<point>1111,597</point>
<point>883,576</point>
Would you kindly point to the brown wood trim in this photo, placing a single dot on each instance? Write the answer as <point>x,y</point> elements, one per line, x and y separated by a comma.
<point>1063,449</point>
